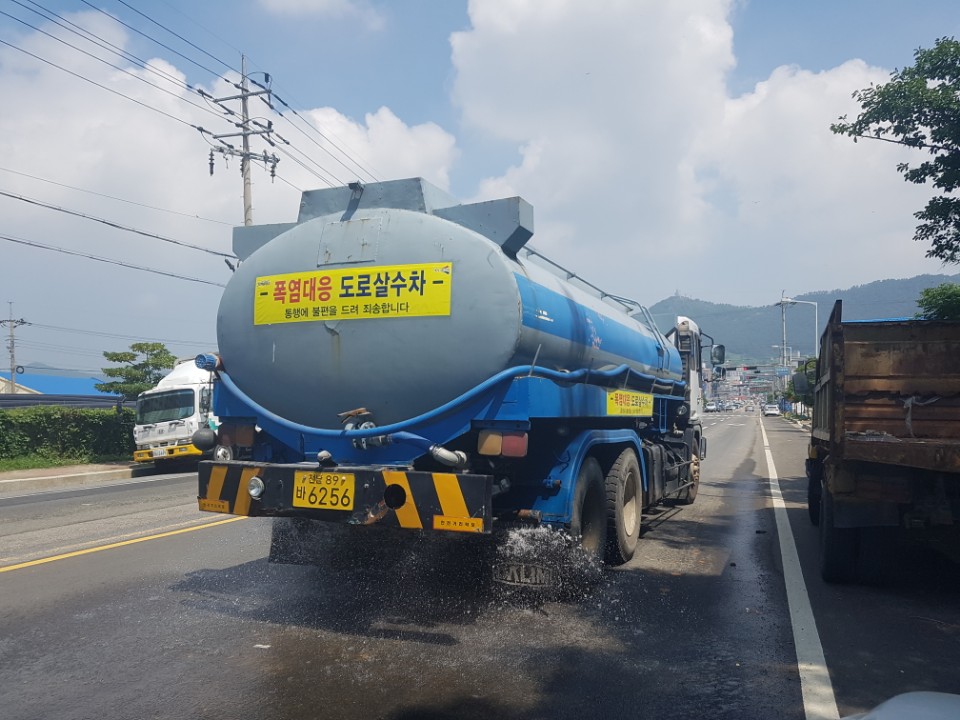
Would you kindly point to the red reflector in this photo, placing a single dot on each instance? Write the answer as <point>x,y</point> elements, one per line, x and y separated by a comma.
<point>514,444</point>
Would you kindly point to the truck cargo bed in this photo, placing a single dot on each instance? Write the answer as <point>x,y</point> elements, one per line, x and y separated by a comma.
<point>888,391</point>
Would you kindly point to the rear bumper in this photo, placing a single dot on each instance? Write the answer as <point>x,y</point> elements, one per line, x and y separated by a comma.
<point>445,502</point>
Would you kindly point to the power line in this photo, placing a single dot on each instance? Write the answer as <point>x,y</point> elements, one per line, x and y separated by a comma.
<point>203,131</point>
<point>196,47</point>
<point>226,149</point>
<point>118,199</point>
<point>55,18</point>
<point>269,92</point>
<point>30,366</point>
<point>100,333</point>
<point>208,31</point>
<point>111,261</point>
<point>152,39</point>
<point>322,135</point>
<point>101,86</point>
<point>310,125</point>
<point>64,349</point>
<point>115,225</point>
<point>109,64</point>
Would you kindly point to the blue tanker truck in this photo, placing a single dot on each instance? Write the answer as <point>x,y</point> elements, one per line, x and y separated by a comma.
<point>398,359</point>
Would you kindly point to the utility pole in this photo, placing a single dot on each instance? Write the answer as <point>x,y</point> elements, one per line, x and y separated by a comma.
<point>11,345</point>
<point>244,125</point>
<point>245,158</point>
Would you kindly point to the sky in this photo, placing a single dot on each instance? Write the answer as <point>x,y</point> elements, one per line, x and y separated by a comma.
<point>666,147</point>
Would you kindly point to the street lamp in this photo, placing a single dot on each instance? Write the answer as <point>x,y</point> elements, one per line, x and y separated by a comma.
<point>784,301</point>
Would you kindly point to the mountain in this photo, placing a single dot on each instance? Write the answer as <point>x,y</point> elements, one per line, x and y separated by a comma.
<point>753,335</point>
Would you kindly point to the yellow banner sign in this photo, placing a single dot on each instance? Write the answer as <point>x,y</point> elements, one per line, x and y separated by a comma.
<point>627,402</point>
<point>354,293</point>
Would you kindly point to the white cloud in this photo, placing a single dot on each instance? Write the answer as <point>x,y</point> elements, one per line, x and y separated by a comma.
<point>827,212</point>
<point>647,177</point>
<point>603,107</point>
<point>386,147</point>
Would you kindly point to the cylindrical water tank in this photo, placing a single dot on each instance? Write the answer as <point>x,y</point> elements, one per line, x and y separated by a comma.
<point>425,309</point>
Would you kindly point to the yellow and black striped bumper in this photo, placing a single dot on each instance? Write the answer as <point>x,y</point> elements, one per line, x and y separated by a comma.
<point>450,502</point>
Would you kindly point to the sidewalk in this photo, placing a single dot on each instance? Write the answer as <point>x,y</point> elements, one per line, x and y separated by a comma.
<point>20,482</point>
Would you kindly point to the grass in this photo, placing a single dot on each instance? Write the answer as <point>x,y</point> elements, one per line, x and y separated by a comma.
<point>30,462</point>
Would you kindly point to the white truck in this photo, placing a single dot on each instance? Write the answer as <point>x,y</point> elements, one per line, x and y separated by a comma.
<point>169,414</point>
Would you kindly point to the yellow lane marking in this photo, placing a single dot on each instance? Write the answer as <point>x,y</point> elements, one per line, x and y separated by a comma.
<point>450,494</point>
<point>407,514</point>
<point>53,558</point>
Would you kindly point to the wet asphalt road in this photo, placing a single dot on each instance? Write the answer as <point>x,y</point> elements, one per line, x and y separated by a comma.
<point>196,623</point>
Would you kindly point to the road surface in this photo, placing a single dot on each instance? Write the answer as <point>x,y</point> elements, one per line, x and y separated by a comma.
<point>125,601</point>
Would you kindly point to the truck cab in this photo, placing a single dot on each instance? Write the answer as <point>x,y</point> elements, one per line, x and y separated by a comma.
<point>169,414</point>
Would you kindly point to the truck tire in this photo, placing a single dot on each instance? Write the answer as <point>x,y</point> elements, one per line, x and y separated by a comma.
<point>223,453</point>
<point>588,524</point>
<point>814,489</point>
<point>838,546</point>
<point>689,493</point>
<point>624,485</point>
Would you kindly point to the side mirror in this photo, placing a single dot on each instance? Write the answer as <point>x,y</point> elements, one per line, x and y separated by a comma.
<point>718,354</point>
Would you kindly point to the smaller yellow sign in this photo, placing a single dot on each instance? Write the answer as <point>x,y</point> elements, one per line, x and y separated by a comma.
<point>627,402</point>
<point>220,506</point>
<point>357,293</point>
<point>455,524</point>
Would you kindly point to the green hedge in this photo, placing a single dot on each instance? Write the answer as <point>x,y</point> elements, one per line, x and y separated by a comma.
<point>64,432</point>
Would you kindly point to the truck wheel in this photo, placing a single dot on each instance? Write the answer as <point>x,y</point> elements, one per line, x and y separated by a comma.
<point>814,489</point>
<point>624,506</point>
<point>588,525</point>
<point>689,493</point>
<point>838,546</point>
<point>223,453</point>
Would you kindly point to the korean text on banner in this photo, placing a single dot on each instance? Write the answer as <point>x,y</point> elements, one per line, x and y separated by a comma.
<point>353,294</point>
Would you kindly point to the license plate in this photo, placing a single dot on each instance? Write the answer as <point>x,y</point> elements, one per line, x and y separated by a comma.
<point>524,575</point>
<point>159,452</point>
<point>324,490</point>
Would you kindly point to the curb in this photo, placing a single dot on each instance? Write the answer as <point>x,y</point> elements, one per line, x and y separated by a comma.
<point>21,482</point>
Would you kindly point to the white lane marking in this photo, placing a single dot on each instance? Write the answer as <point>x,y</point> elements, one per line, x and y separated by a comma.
<point>819,701</point>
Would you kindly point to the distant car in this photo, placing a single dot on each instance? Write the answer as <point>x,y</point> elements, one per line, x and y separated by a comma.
<point>769,410</point>
<point>710,407</point>
<point>749,408</point>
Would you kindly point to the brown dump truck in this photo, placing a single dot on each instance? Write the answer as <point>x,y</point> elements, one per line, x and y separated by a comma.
<point>884,456</point>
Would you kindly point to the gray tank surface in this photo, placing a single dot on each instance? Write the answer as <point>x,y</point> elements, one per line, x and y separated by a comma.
<point>395,298</point>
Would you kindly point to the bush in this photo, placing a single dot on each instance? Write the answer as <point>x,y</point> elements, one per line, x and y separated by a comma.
<point>63,432</point>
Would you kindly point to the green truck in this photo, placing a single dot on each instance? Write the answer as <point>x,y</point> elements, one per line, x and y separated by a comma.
<point>884,454</point>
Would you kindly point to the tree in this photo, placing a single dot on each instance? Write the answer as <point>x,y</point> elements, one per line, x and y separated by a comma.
<point>940,303</point>
<point>920,108</point>
<point>144,365</point>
